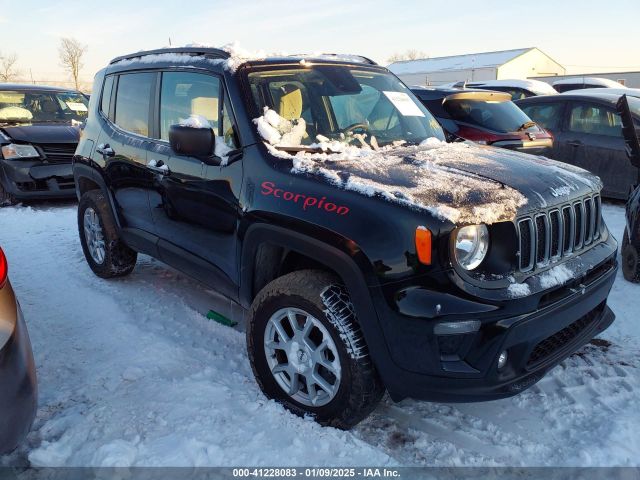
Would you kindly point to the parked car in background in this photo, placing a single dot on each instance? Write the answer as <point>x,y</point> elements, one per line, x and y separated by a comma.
<point>578,83</point>
<point>18,387</point>
<point>486,117</point>
<point>587,132</point>
<point>629,92</point>
<point>515,87</point>
<point>39,132</point>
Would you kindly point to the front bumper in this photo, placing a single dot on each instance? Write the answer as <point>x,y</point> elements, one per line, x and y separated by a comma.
<point>18,386</point>
<point>30,180</point>
<point>537,332</point>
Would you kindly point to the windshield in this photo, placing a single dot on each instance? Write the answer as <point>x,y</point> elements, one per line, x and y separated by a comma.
<point>503,117</point>
<point>359,106</point>
<point>29,106</point>
<point>634,105</point>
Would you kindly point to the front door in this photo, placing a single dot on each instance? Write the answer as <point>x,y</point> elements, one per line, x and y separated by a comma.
<point>195,205</point>
<point>594,137</point>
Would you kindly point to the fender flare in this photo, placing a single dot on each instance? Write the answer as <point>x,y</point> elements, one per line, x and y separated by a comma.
<point>334,258</point>
<point>82,169</point>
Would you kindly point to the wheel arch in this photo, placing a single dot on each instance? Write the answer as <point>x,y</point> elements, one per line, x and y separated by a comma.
<point>332,259</point>
<point>87,178</point>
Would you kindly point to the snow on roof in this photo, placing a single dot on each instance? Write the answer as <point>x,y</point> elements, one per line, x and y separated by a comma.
<point>536,86</point>
<point>457,62</point>
<point>605,82</point>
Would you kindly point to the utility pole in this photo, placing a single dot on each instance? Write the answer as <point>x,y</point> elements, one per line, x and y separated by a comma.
<point>31,74</point>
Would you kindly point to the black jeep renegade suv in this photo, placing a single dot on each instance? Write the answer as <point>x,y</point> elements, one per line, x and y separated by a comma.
<point>317,193</point>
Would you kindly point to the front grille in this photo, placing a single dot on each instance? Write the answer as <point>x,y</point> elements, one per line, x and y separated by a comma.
<point>559,340</point>
<point>558,233</point>
<point>57,152</point>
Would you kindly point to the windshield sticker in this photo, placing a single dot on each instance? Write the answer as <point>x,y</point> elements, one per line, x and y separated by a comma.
<point>77,106</point>
<point>405,104</point>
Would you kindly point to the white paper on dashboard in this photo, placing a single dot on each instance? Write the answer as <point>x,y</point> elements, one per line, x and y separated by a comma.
<point>405,104</point>
<point>77,106</point>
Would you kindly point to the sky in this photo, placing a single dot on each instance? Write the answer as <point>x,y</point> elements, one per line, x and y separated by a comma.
<point>584,36</point>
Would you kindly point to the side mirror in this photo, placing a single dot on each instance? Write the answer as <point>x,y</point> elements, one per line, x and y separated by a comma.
<point>194,142</point>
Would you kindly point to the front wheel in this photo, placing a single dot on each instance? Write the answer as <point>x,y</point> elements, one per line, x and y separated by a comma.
<point>307,350</point>
<point>106,253</point>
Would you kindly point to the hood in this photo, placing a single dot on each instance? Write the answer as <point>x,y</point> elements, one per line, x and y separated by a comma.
<point>43,133</point>
<point>464,183</point>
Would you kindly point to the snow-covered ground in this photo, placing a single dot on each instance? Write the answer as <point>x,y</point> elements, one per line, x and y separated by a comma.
<point>132,373</point>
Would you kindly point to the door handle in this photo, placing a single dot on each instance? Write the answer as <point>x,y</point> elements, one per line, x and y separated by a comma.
<point>105,150</point>
<point>158,166</point>
<point>577,143</point>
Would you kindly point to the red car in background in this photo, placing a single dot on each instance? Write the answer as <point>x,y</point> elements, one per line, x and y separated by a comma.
<point>485,117</point>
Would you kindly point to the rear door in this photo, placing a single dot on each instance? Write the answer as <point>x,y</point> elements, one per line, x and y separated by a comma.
<point>596,143</point>
<point>121,148</point>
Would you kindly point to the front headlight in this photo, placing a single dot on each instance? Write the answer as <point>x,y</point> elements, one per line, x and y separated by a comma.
<point>15,152</point>
<point>472,244</point>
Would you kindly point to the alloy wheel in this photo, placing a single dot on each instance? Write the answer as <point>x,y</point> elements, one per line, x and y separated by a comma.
<point>302,357</point>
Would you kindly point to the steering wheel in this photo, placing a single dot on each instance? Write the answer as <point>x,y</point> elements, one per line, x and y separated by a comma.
<point>356,126</point>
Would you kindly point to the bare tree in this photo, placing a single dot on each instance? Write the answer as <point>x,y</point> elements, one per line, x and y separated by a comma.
<point>71,52</point>
<point>8,69</point>
<point>410,54</point>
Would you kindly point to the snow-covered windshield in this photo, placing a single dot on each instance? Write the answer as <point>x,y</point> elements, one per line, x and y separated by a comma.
<point>306,104</point>
<point>29,106</point>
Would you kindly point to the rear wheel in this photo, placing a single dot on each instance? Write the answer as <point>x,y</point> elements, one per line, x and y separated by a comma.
<point>307,350</point>
<point>630,264</point>
<point>106,253</point>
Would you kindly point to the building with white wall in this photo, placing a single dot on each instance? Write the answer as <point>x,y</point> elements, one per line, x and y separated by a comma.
<point>519,63</point>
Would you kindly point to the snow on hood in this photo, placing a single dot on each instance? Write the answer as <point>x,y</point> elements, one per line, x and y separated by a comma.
<point>464,183</point>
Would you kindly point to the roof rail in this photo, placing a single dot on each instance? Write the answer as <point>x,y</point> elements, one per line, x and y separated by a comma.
<point>194,51</point>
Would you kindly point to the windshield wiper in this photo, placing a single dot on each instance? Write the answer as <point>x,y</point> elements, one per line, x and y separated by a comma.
<point>526,125</point>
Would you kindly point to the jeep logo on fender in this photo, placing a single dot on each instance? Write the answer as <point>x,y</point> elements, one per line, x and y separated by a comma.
<point>306,201</point>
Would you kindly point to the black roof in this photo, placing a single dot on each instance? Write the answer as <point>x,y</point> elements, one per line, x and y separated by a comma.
<point>217,53</point>
<point>32,87</point>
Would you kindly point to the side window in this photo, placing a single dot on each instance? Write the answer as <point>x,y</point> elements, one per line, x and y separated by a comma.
<point>595,119</point>
<point>184,94</point>
<point>549,115</point>
<point>107,87</point>
<point>132,102</point>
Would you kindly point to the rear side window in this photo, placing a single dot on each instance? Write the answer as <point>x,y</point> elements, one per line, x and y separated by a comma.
<point>500,117</point>
<point>106,95</point>
<point>132,102</point>
<point>548,115</point>
<point>595,119</point>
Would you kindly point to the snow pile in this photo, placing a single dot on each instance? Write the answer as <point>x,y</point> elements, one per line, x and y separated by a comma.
<point>558,275</point>
<point>279,131</point>
<point>195,121</point>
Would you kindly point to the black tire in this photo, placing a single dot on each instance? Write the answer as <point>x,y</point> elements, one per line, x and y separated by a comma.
<point>6,199</point>
<point>119,260</point>
<point>630,264</point>
<point>321,295</point>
